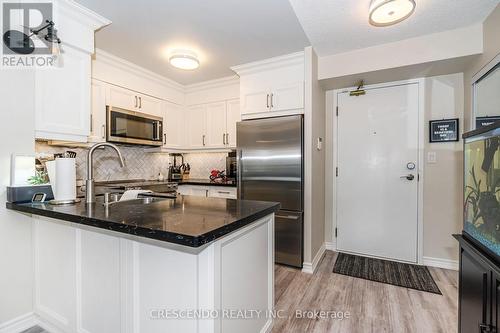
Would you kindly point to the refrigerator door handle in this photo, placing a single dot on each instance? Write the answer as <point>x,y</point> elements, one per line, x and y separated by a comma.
<point>240,172</point>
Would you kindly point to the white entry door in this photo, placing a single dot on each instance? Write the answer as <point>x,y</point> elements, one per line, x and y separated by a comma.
<point>377,183</point>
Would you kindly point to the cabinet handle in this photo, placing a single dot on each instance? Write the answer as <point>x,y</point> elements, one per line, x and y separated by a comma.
<point>135,101</point>
<point>227,138</point>
<point>164,138</point>
<point>91,124</point>
<point>223,138</point>
<point>203,137</point>
<point>103,131</point>
<point>224,192</point>
<point>272,95</point>
<point>140,102</point>
<point>267,101</point>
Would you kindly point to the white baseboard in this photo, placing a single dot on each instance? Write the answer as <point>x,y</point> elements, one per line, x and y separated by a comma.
<point>440,263</point>
<point>19,324</point>
<point>331,246</point>
<point>310,267</point>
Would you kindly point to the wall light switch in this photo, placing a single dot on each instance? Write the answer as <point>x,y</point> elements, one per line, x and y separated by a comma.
<point>319,144</point>
<point>431,157</point>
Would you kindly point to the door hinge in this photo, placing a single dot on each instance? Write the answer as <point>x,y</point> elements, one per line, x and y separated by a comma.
<point>336,232</point>
<point>336,172</point>
<point>337,111</point>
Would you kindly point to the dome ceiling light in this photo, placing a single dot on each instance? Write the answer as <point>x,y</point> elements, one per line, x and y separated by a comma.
<point>184,59</point>
<point>384,13</point>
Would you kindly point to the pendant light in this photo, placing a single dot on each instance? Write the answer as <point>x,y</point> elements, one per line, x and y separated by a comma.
<point>384,13</point>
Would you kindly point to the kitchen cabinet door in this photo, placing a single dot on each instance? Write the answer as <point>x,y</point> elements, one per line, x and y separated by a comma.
<point>222,192</point>
<point>233,116</point>
<point>149,105</point>
<point>287,97</point>
<point>62,99</point>
<point>255,101</point>
<point>173,126</point>
<point>195,125</point>
<point>98,112</point>
<point>216,125</point>
<point>122,98</point>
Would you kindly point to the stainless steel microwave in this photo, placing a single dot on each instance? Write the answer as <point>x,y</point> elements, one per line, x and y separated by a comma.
<point>131,127</point>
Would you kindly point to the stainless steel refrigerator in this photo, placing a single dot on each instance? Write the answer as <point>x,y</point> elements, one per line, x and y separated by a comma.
<point>270,168</point>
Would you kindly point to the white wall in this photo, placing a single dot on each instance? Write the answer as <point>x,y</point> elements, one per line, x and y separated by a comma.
<point>17,135</point>
<point>433,47</point>
<point>491,42</point>
<point>314,191</point>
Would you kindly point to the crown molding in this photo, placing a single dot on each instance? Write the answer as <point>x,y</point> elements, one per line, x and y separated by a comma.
<point>210,84</point>
<point>79,12</point>
<point>296,58</point>
<point>128,66</point>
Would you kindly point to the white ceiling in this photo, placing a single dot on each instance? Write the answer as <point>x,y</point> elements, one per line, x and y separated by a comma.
<point>224,33</point>
<point>336,26</point>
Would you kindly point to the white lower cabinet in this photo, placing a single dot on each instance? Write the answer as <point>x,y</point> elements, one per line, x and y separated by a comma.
<point>94,281</point>
<point>208,191</point>
<point>222,192</point>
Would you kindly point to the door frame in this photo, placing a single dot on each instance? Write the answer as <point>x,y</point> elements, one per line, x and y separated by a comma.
<point>421,143</point>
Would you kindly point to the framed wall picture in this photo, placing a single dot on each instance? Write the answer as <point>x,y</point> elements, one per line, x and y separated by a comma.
<point>446,130</point>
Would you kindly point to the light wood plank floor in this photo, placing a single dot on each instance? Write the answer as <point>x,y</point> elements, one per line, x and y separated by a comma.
<point>373,307</point>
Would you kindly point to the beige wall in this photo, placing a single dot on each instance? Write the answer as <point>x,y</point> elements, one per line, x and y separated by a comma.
<point>314,123</point>
<point>443,180</point>
<point>491,45</point>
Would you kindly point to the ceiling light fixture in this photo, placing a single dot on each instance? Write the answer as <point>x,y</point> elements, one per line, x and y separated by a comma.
<point>388,12</point>
<point>184,59</point>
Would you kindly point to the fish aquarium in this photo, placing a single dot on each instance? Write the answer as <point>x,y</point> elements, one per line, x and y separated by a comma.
<point>482,187</point>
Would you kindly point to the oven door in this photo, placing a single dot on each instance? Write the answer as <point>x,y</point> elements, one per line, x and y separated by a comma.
<point>125,126</point>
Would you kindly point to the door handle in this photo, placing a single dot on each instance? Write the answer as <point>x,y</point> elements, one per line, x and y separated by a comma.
<point>227,138</point>
<point>140,102</point>
<point>272,106</point>
<point>267,101</point>
<point>203,138</point>
<point>223,138</point>
<point>409,177</point>
<point>287,217</point>
<point>135,101</point>
<point>164,138</point>
<point>484,328</point>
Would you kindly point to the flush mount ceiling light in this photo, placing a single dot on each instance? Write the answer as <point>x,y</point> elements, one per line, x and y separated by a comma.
<point>388,12</point>
<point>184,59</point>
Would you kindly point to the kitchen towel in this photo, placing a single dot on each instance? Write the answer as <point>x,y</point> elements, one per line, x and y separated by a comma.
<point>62,177</point>
<point>132,194</point>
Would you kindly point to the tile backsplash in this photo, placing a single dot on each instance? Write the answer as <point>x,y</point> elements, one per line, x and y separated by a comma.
<point>138,163</point>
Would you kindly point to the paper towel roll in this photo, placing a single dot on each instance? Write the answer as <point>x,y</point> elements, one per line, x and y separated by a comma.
<point>62,177</point>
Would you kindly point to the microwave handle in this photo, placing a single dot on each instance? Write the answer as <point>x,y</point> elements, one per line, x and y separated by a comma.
<point>156,130</point>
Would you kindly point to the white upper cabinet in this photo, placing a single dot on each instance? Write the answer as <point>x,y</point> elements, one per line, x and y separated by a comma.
<point>173,126</point>
<point>62,99</point>
<point>272,87</point>
<point>216,125</point>
<point>98,112</point>
<point>233,116</point>
<point>131,100</point>
<point>63,94</point>
<point>196,126</point>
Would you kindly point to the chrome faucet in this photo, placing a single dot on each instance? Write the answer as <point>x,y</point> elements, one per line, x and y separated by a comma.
<point>89,183</point>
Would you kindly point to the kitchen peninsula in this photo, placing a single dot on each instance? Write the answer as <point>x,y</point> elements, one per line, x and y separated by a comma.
<point>140,264</point>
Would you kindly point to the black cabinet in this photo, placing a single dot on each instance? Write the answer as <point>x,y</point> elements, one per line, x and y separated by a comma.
<point>479,290</point>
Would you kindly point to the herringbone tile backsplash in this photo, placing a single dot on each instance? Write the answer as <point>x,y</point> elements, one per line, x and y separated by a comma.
<point>138,163</point>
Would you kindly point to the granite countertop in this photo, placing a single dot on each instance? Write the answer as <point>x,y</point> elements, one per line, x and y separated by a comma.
<point>207,182</point>
<point>188,220</point>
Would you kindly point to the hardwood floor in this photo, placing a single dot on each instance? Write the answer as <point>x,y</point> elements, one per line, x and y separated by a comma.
<point>373,307</point>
